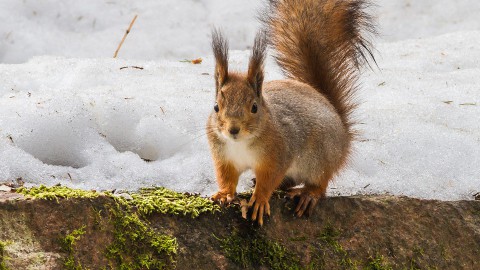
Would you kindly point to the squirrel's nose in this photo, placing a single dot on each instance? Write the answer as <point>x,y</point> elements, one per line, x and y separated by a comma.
<point>234,130</point>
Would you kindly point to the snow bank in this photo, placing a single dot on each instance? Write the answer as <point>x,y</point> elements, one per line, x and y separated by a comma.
<point>90,123</point>
<point>420,119</point>
<point>82,119</point>
<point>93,124</point>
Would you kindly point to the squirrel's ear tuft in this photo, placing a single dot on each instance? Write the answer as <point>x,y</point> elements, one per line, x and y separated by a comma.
<point>220,51</point>
<point>256,64</point>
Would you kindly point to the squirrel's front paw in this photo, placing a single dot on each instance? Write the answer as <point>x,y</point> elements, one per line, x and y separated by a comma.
<point>222,197</point>
<point>260,206</point>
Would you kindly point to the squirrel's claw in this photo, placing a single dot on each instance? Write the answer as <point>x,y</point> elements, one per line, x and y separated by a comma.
<point>260,207</point>
<point>306,203</point>
<point>223,198</point>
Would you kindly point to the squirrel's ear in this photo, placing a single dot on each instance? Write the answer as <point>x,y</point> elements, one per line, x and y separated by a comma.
<point>256,64</point>
<point>220,51</point>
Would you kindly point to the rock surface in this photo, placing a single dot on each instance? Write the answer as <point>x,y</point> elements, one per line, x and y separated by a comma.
<point>375,232</point>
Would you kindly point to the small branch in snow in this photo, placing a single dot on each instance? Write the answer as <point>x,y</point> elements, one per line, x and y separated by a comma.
<point>136,67</point>
<point>11,139</point>
<point>125,36</point>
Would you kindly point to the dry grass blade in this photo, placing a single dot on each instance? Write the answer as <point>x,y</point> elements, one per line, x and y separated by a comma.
<point>193,61</point>
<point>125,36</point>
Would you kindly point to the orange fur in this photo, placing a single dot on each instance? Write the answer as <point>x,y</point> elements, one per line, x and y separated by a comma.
<point>227,178</point>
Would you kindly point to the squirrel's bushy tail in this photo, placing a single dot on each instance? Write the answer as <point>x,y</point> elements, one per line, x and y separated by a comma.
<point>322,43</point>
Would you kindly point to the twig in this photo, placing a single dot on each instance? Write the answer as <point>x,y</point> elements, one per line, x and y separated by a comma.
<point>125,36</point>
<point>136,67</point>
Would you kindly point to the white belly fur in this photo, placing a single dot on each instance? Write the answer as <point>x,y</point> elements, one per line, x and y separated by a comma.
<point>239,153</point>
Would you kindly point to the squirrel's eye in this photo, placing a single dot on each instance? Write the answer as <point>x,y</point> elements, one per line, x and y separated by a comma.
<point>254,108</point>
<point>216,107</point>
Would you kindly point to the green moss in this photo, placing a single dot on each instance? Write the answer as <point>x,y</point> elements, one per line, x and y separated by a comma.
<point>444,253</point>
<point>162,200</point>
<point>377,263</point>
<point>136,245</point>
<point>97,219</point>
<point>56,192</point>
<point>418,260</point>
<point>68,245</point>
<point>256,250</point>
<point>329,236</point>
<point>146,201</point>
<point>298,239</point>
<point>3,255</point>
<point>317,262</point>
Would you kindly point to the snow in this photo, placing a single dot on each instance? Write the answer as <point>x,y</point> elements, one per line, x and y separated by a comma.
<point>92,28</point>
<point>80,118</point>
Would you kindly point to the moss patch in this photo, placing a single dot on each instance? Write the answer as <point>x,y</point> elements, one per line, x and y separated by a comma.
<point>135,244</point>
<point>377,263</point>
<point>146,201</point>
<point>68,245</point>
<point>417,260</point>
<point>56,192</point>
<point>162,200</point>
<point>255,250</point>
<point>329,236</point>
<point>3,255</point>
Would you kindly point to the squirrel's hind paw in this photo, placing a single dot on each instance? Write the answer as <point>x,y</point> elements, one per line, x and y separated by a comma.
<point>307,200</point>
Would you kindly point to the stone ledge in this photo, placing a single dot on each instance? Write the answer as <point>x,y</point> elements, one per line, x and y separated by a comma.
<point>359,232</point>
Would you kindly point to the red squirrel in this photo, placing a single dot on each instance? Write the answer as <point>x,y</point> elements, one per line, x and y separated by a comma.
<point>298,128</point>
